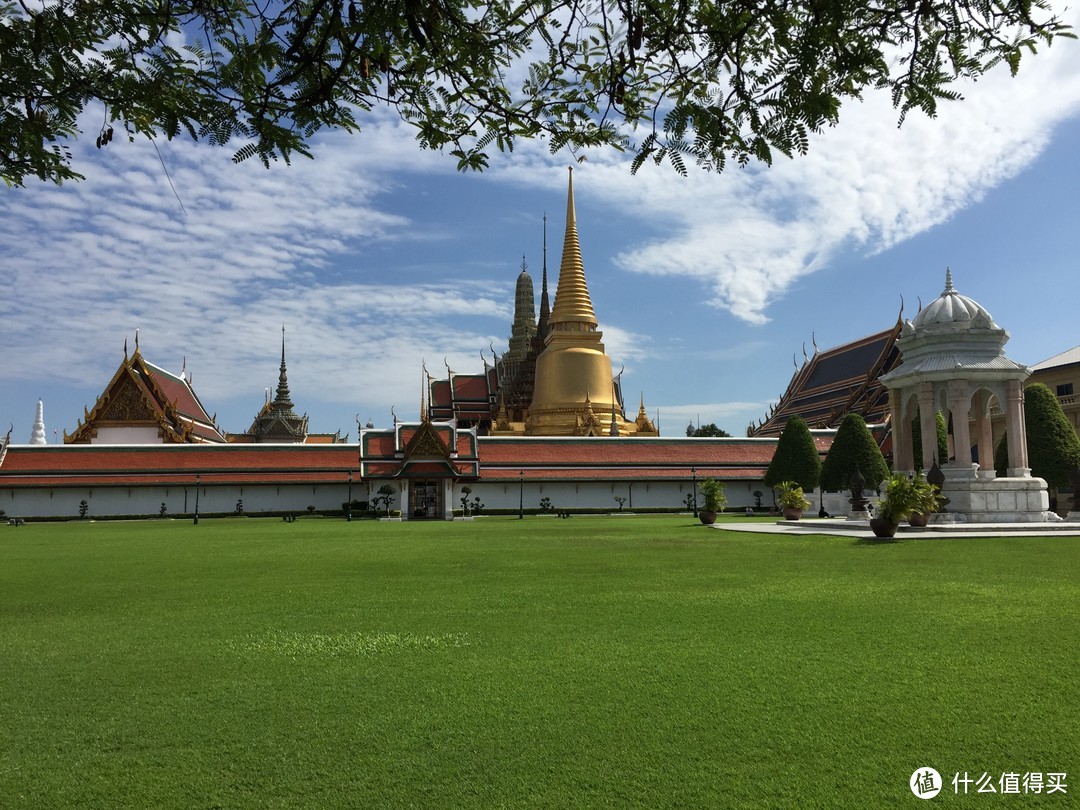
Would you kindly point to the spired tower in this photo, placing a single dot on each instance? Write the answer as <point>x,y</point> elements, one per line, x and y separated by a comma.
<point>574,391</point>
<point>277,422</point>
<point>524,329</point>
<point>37,434</point>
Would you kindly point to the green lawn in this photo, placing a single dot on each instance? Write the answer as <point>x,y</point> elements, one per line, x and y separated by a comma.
<point>602,661</point>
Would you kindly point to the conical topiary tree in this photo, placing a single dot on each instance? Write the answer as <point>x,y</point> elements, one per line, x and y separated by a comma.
<point>942,442</point>
<point>1001,455</point>
<point>853,448</point>
<point>796,457</point>
<point>1053,446</point>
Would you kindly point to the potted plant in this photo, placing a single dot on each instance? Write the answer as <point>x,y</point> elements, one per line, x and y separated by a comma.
<point>713,499</point>
<point>791,499</point>
<point>899,501</point>
<point>927,500</point>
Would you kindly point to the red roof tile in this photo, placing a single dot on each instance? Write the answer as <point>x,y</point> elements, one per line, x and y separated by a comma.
<point>471,388</point>
<point>604,451</point>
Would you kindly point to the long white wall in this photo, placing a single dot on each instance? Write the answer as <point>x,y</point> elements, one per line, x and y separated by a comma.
<point>102,501</point>
<point>180,500</point>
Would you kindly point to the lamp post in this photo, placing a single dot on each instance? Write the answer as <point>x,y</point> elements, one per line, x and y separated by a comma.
<point>521,494</point>
<point>348,500</point>
<point>197,499</point>
<point>693,473</point>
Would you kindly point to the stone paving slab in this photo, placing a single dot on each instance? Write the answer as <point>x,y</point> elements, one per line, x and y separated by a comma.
<point>860,528</point>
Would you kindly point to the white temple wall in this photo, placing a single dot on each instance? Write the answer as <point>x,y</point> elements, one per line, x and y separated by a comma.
<point>180,500</point>
<point>642,494</point>
<point>127,435</point>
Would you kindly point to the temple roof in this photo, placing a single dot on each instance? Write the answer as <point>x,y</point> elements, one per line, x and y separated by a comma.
<point>142,394</point>
<point>175,464</point>
<point>838,381</point>
<point>401,452</point>
<point>277,421</point>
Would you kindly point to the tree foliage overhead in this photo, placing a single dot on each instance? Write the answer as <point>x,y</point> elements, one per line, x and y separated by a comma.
<point>796,457</point>
<point>853,448</point>
<point>683,81</point>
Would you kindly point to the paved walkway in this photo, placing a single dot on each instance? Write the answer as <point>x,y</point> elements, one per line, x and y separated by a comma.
<point>860,528</point>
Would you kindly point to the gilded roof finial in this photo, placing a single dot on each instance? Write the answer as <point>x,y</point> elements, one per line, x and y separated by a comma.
<point>572,302</point>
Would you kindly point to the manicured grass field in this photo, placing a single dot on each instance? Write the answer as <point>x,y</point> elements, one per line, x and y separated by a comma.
<point>603,662</point>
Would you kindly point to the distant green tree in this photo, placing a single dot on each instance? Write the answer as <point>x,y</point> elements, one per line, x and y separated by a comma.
<point>1053,446</point>
<point>942,441</point>
<point>796,457</point>
<point>853,448</point>
<point>710,431</point>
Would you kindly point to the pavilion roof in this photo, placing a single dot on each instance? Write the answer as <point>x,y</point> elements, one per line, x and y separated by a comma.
<point>143,393</point>
<point>838,381</point>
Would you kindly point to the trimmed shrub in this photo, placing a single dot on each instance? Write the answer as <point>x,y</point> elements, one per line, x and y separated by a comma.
<point>796,457</point>
<point>1053,446</point>
<point>853,448</point>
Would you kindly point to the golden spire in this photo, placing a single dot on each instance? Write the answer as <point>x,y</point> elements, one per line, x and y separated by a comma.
<point>572,302</point>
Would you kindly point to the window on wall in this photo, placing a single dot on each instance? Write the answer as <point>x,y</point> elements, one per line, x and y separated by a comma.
<point>1065,390</point>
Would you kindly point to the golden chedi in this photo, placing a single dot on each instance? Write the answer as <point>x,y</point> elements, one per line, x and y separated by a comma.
<point>575,393</point>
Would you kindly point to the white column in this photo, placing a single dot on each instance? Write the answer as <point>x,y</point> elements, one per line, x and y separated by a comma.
<point>1014,420</point>
<point>960,407</point>
<point>903,452</point>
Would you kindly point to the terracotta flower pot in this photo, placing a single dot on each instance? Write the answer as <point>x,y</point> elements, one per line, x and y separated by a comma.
<point>791,513</point>
<point>883,528</point>
<point>918,519</point>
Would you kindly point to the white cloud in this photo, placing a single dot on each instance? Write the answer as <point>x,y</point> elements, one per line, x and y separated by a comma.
<point>84,265</point>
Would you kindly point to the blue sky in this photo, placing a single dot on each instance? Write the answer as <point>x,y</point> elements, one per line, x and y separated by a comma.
<point>378,256</point>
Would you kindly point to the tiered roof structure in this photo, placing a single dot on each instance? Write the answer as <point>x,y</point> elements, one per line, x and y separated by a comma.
<point>144,403</point>
<point>835,382</point>
<point>277,421</point>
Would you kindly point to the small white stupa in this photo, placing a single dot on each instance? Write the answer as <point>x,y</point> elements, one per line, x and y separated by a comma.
<point>37,434</point>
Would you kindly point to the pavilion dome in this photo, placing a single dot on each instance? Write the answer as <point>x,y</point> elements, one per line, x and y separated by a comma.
<point>951,309</point>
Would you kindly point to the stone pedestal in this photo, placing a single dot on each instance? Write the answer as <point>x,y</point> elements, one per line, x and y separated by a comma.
<point>998,500</point>
<point>946,517</point>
